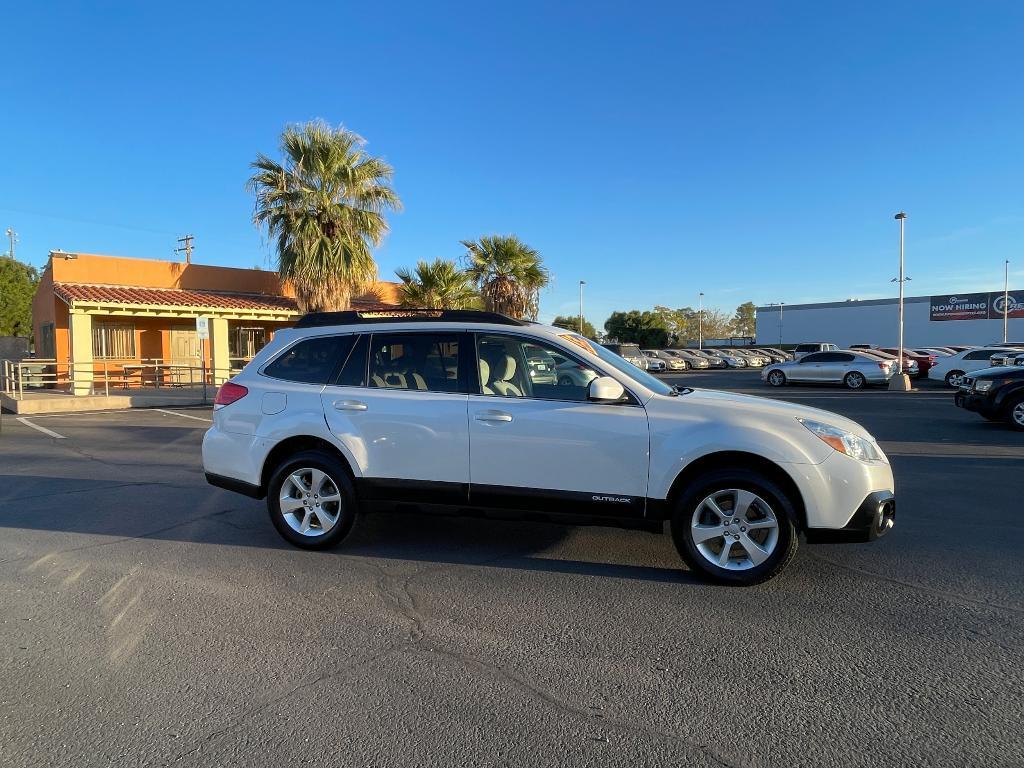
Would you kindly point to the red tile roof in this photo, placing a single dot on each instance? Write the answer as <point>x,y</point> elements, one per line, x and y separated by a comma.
<point>171,297</point>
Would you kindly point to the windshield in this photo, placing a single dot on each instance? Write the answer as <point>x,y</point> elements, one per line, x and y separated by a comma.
<point>622,366</point>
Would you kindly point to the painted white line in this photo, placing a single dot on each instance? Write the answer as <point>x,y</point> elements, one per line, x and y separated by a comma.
<point>44,430</point>
<point>184,415</point>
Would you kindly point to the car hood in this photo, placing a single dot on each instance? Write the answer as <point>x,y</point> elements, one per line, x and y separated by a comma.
<point>999,370</point>
<point>754,407</point>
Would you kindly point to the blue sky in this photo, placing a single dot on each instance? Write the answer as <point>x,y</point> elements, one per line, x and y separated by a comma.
<point>749,150</point>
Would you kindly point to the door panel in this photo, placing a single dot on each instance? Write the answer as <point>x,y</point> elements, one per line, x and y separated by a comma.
<point>403,439</point>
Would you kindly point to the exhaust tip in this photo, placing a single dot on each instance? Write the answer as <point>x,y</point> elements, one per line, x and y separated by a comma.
<point>885,518</point>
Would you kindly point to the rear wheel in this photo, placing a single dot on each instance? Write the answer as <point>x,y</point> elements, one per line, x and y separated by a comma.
<point>776,378</point>
<point>953,378</point>
<point>736,527</point>
<point>311,500</point>
<point>1015,412</point>
<point>854,380</point>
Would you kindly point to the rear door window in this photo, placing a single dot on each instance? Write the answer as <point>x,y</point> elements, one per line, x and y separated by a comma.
<point>312,361</point>
<point>427,362</point>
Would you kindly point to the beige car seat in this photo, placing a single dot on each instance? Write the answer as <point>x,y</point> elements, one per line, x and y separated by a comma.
<point>502,373</point>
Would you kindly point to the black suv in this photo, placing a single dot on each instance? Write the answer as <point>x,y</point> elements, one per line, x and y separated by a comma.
<point>995,393</point>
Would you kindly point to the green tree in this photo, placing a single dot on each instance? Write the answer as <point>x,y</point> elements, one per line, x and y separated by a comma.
<point>324,205</point>
<point>508,274</point>
<point>439,284</point>
<point>744,321</point>
<point>643,328</point>
<point>573,324</point>
<point>717,324</point>
<point>18,283</point>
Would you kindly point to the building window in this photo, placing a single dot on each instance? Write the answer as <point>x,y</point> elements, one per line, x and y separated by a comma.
<point>113,341</point>
<point>245,343</point>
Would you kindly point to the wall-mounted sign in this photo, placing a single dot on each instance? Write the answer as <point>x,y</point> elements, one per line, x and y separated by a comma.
<point>202,327</point>
<point>976,306</point>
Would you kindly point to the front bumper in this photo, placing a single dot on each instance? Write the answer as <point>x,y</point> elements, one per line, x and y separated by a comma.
<point>874,518</point>
<point>972,401</point>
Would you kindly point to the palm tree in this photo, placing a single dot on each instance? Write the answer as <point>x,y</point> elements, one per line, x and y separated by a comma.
<point>325,207</point>
<point>436,285</point>
<point>508,273</point>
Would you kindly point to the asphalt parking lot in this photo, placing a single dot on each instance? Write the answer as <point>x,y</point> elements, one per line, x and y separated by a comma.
<point>149,619</point>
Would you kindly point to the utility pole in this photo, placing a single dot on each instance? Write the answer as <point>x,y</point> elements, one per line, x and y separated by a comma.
<point>900,381</point>
<point>582,283</point>
<point>1006,297</point>
<point>700,323</point>
<point>13,237</point>
<point>187,247</point>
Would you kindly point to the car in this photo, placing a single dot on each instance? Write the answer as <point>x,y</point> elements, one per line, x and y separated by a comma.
<point>753,359</point>
<point>812,346</point>
<point>351,411</point>
<point>854,369</point>
<point>571,373</point>
<point>1005,358</point>
<point>863,346</point>
<point>923,360</point>
<point>995,393</point>
<point>779,352</point>
<point>939,351</point>
<point>629,352</point>
<point>671,362</point>
<point>731,360</point>
<point>542,367</point>
<point>910,366</point>
<point>772,355</point>
<point>654,363</point>
<point>952,368</point>
<point>692,359</point>
<point>714,360</point>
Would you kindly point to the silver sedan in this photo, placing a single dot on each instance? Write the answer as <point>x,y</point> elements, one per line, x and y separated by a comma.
<point>852,369</point>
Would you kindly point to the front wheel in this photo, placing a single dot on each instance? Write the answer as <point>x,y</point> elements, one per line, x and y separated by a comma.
<point>1015,412</point>
<point>953,378</point>
<point>736,527</point>
<point>854,380</point>
<point>311,500</point>
<point>776,378</point>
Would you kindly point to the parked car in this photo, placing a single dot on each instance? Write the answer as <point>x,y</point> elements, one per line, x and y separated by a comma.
<point>542,367</point>
<point>731,360</point>
<point>689,359</point>
<point>910,366</point>
<point>939,351</point>
<point>863,346</point>
<point>772,355</point>
<point>855,370</point>
<point>629,352</point>
<point>951,369</point>
<point>349,411</point>
<point>812,346</point>
<point>1005,358</point>
<point>654,363</point>
<point>781,353</point>
<point>571,373</point>
<point>752,358</point>
<point>671,362</point>
<point>995,393</point>
<point>714,360</point>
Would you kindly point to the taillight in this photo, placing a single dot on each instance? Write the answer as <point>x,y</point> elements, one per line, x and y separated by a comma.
<point>229,393</point>
<point>884,366</point>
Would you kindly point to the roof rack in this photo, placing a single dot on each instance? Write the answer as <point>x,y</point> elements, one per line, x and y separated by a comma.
<point>363,317</point>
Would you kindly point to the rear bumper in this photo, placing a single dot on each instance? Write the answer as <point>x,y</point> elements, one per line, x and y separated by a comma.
<point>874,518</point>
<point>238,486</point>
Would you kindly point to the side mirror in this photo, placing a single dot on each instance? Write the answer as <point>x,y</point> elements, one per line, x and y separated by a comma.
<point>605,389</point>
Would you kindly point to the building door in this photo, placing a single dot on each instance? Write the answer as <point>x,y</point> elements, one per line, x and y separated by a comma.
<point>185,351</point>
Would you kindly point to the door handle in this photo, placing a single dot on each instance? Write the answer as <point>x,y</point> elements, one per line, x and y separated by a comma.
<point>349,405</point>
<point>494,416</point>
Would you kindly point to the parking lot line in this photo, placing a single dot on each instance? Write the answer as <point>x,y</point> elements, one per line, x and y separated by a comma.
<point>44,430</point>
<point>184,415</point>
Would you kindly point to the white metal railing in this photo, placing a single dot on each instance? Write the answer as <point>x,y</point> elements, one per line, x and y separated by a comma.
<point>105,377</point>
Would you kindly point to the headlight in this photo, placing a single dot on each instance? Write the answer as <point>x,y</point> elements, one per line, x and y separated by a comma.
<point>983,385</point>
<point>843,441</point>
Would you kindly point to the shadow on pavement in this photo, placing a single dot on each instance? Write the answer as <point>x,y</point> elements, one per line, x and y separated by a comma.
<point>194,515</point>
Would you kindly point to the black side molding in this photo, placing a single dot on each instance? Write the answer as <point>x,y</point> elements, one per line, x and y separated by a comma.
<point>238,486</point>
<point>873,519</point>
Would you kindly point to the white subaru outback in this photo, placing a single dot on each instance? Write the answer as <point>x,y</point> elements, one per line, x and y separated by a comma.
<point>450,409</point>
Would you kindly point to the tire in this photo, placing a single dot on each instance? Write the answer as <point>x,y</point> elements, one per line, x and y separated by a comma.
<point>565,381</point>
<point>686,366</point>
<point>953,378</point>
<point>745,560</point>
<point>325,526</point>
<point>1015,413</point>
<point>776,378</point>
<point>854,380</point>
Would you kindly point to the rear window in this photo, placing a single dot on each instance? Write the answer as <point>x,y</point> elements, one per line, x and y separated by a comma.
<point>312,361</point>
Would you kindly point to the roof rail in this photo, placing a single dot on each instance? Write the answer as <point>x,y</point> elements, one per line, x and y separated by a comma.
<point>400,315</point>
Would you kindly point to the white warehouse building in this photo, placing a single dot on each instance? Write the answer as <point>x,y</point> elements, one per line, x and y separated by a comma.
<point>964,318</point>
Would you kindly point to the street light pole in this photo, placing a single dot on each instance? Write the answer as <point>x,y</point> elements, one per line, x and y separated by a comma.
<point>700,323</point>
<point>1006,296</point>
<point>12,236</point>
<point>582,283</point>
<point>780,305</point>
<point>900,381</point>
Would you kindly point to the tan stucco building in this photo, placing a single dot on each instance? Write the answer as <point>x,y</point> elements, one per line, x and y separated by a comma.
<point>129,319</point>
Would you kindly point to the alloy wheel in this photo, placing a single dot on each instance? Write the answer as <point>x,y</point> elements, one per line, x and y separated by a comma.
<point>776,378</point>
<point>734,529</point>
<point>1017,414</point>
<point>310,502</point>
<point>854,380</point>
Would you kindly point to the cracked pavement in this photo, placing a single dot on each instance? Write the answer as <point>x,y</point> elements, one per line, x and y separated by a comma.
<point>148,619</point>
